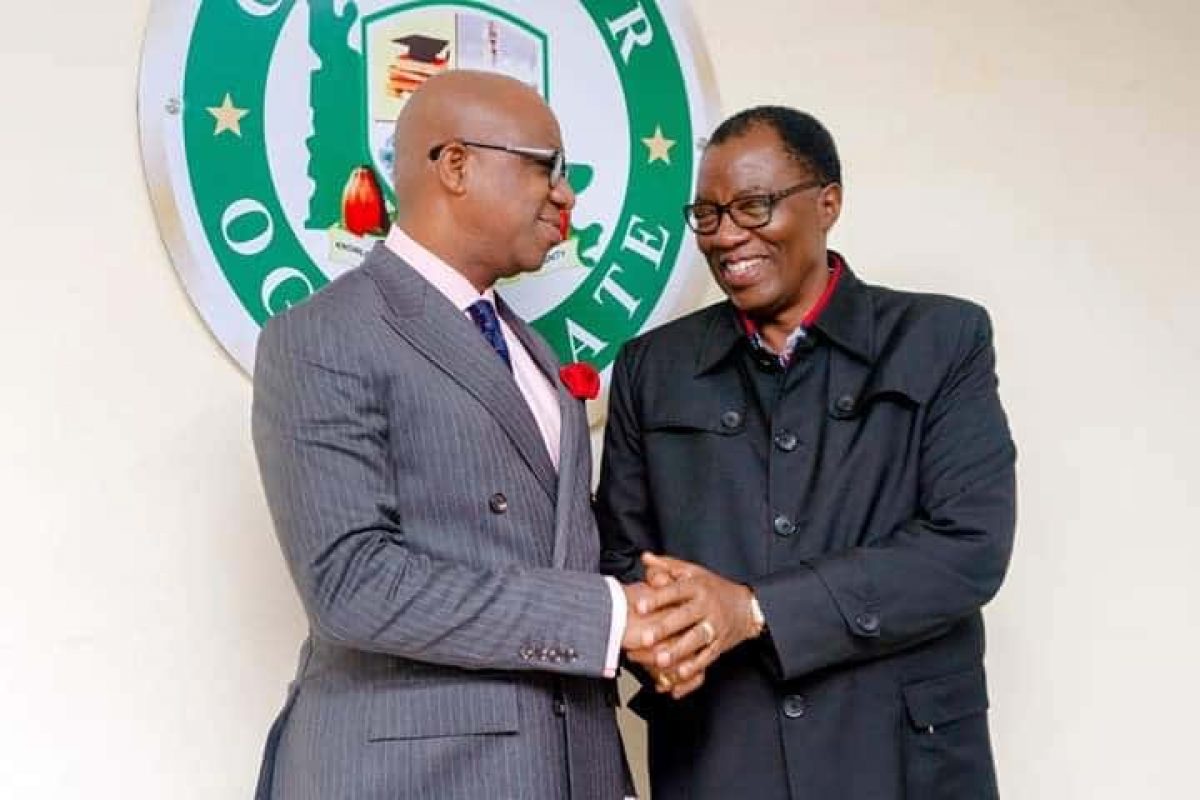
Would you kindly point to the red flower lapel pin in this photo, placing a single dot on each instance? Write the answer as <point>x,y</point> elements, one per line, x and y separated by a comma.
<point>581,379</point>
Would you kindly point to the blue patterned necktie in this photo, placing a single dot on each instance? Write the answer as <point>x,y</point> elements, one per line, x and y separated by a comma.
<point>489,325</point>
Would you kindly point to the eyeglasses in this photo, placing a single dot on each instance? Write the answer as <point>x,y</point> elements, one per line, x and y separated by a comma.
<point>748,212</point>
<point>553,160</point>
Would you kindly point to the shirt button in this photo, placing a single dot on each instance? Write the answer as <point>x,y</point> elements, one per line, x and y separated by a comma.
<point>867,622</point>
<point>498,503</point>
<point>786,441</point>
<point>784,526</point>
<point>560,707</point>
<point>731,419</point>
<point>794,706</point>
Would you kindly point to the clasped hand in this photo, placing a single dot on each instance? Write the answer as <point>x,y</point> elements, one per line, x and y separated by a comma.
<point>681,619</point>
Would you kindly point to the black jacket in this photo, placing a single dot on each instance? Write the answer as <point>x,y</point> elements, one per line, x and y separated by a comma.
<point>869,502</point>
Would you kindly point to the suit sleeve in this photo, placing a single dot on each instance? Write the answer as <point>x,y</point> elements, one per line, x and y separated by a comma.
<point>935,569</point>
<point>321,436</point>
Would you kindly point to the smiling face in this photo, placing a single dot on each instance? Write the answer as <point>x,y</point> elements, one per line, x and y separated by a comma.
<point>774,273</point>
<point>517,211</point>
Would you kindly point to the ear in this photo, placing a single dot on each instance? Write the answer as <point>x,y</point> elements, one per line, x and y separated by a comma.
<point>451,167</point>
<point>829,205</point>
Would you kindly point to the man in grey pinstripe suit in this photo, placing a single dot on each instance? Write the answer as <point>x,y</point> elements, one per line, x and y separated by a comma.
<point>430,491</point>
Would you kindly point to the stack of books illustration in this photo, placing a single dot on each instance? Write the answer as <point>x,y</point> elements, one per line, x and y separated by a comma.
<point>418,58</point>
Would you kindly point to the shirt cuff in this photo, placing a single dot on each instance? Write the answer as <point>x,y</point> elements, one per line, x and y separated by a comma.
<point>616,628</point>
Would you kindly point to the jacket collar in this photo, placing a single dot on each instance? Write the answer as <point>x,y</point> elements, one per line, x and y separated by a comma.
<point>846,321</point>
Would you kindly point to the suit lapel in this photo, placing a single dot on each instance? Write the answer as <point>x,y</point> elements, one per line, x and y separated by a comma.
<point>444,335</point>
<point>573,419</point>
<point>572,471</point>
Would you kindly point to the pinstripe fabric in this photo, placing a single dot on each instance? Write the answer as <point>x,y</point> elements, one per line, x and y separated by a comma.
<point>455,641</point>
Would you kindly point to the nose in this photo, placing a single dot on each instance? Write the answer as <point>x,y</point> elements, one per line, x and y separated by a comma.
<point>562,195</point>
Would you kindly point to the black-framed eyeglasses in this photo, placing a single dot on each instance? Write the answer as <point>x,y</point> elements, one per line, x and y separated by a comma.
<point>553,160</point>
<point>748,212</point>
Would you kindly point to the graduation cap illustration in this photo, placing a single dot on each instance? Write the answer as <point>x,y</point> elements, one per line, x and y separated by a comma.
<point>424,48</point>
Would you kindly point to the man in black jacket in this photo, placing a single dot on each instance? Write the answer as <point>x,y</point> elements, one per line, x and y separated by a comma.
<point>826,473</point>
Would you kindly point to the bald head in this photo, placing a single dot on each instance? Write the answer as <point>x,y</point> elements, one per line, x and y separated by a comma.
<point>476,177</point>
<point>457,104</point>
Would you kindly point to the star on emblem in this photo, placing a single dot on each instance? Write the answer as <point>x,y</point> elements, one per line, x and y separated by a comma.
<point>659,146</point>
<point>228,116</point>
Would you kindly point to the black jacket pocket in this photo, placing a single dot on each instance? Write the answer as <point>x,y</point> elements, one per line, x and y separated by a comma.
<point>932,703</point>
<point>948,753</point>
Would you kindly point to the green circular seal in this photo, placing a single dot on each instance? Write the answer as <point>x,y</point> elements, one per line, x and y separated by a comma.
<point>266,136</point>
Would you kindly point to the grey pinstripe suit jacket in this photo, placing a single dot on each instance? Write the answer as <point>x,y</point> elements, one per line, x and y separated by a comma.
<point>456,637</point>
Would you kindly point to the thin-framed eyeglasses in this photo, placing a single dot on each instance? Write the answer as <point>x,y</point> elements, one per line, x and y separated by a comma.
<point>748,212</point>
<point>553,160</point>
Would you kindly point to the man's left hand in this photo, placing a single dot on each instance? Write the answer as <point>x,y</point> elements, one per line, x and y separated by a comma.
<point>715,612</point>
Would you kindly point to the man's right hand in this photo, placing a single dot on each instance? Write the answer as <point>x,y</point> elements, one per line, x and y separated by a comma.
<point>648,621</point>
<point>665,680</point>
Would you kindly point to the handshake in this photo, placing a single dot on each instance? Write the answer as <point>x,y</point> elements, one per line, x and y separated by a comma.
<point>681,619</point>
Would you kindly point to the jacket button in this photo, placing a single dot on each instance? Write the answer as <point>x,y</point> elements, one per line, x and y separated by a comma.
<point>560,707</point>
<point>498,503</point>
<point>794,706</point>
<point>784,526</point>
<point>867,622</point>
<point>731,419</point>
<point>845,404</point>
<point>786,441</point>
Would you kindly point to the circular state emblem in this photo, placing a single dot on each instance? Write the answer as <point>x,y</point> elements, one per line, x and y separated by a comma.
<point>266,134</point>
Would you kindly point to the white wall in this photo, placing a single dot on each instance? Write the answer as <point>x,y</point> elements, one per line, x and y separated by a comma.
<point>1037,156</point>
